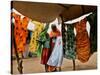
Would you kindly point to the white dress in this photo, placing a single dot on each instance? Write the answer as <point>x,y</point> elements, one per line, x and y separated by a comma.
<point>56,57</point>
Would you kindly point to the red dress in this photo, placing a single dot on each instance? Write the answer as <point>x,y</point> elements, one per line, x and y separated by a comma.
<point>82,41</point>
<point>45,56</point>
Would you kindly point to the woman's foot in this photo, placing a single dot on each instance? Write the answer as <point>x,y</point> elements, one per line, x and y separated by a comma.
<point>59,69</point>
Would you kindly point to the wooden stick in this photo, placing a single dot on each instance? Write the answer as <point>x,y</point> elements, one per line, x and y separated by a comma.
<point>74,65</point>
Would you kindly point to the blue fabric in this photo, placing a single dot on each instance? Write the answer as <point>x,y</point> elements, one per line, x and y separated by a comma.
<point>56,57</point>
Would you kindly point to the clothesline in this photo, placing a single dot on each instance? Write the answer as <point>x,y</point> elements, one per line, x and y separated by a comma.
<point>77,19</point>
<point>68,22</point>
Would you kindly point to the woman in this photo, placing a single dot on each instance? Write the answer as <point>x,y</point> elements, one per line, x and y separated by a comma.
<point>56,53</point>
<point>44,46</point>
<point>45,51</point>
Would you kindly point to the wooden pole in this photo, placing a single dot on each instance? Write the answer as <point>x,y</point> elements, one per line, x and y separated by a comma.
<point>74,65</point>
<point>63,30</point>
<point>19,59</point>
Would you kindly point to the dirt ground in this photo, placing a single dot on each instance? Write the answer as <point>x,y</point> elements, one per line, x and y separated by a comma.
<point>32,65</point>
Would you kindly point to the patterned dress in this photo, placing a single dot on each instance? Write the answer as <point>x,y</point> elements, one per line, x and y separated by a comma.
<point>20,32</point>
<point>70,42</point>
<point>82,41</point>
<point>33,46</point>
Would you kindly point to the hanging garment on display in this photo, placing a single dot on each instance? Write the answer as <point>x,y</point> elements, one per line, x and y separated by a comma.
<point>82,41</point>
<point>93,31</point>
<point>35,35</point>
<point>20,32</point>
<point>70,42</point>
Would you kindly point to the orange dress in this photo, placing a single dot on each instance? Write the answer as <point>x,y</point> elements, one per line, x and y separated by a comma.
<point>20,32</point>
<point>82,41</point>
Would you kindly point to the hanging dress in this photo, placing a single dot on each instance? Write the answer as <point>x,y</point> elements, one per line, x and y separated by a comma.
<point>20,32</point>
<point>70,42</point>
<point>35,35</point>
<point>82,41</point>
<point>93,31</point>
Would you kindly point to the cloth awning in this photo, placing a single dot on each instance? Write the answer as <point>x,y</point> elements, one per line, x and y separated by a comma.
<point>47,12</point>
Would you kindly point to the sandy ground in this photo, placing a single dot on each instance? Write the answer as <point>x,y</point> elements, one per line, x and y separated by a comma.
<point>32,65</point>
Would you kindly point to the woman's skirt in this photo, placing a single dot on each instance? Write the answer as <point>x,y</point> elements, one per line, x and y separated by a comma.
<point>45,56</point>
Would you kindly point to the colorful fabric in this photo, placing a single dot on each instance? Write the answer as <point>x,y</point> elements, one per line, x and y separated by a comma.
<point>56,57</point>
<point>20,32</point>
<point>93,31</point>
<point>44,56</point>
<point>43,41</point>
<point>70,42</point>
<point>53,36</point>
<point>35,35</point>
<point>82,41</point>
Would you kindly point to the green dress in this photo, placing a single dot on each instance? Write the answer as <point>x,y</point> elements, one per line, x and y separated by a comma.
<point>41,40</point>
<point>70,42</point>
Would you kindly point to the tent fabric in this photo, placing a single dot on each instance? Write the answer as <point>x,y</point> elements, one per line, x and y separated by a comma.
<point>42,12</point>
<point>47,12</point>
<point>77,11</point>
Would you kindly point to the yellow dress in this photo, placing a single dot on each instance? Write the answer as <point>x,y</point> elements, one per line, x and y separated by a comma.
<point>35,34</point>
